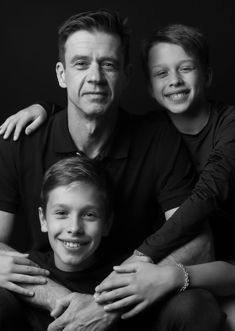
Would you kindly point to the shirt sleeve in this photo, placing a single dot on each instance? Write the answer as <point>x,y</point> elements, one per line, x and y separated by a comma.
<point>214,187</point>
<point>51,108</point>
<point>9,194</point>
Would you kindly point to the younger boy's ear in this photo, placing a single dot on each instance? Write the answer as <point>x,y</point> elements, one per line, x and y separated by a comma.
<point>209,75</point>
<point>107,226</point>
<point>42,219</point>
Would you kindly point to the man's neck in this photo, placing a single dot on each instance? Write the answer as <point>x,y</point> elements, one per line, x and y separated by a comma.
<point>192,122</point>
<point>90,134</point>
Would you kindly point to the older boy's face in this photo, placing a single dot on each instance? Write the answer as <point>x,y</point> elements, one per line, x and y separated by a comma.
<point>177,79</point>
<point>93,73</point>
<point>75,222</point>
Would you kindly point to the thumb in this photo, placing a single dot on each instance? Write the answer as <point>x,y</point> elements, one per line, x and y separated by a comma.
<point>60,307</point>
<point>126,268</point>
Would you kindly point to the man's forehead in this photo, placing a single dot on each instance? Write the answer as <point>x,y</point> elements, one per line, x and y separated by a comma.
<point>93,40</point>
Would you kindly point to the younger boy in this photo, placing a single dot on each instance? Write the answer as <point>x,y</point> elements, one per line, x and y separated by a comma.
<point>76,213</point>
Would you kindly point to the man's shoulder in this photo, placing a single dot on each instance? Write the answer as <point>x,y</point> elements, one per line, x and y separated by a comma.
<point>152,121</point>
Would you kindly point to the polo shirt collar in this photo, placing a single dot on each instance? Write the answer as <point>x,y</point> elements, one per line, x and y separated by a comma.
<point>117,147</point>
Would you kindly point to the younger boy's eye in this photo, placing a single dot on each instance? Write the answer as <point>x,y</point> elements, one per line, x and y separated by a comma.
<point>90,215</point>
<point>61,213</point>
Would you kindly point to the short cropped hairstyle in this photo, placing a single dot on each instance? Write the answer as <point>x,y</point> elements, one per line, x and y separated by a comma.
<point>189,38</point>
<point>76,169</point>
<point>102,20</point>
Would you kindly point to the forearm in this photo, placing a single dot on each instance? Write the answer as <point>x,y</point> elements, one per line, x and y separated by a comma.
<point>45,295</point>
<point>198,250</point>
<point>218,277</point>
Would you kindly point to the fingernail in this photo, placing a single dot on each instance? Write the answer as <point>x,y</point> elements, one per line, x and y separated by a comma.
<point>15,138</point>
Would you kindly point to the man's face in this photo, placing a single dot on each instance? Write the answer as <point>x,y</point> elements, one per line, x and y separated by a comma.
<point>177,80</point>
<point>75,222</point>
<point>93,72</point>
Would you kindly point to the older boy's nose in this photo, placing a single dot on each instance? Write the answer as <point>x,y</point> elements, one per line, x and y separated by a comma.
<point>175,79</point>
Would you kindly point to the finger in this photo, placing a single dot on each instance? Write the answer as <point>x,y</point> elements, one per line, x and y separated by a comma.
<point>9,129</point>
<point>34,125</point>
<point>113,295</point>
<point>56,325</point>
<point>25,279</point>
<point>126,268</point>
<point>60,307</point>
<point>4,125</point>
<point>19,127</point>
<point>113,283</point>
<point>14,253</point>
<point>18,289</point>
<point>123,303</point>
<point>135,311</point>
<point>29,270</point>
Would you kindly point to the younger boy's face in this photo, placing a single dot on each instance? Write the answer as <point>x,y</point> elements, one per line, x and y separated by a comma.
<point>177,79</point>
<point>75,222</point>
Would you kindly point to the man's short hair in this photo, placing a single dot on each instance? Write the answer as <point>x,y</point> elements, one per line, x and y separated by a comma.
<point>76,169</point>
<point>189,38</point>
<point>102,20</point>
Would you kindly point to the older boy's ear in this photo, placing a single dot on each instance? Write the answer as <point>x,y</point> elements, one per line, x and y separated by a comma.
<point>60,72</point>
<point>108,225</point>
<point>209,76</point>
<point>42,219</point>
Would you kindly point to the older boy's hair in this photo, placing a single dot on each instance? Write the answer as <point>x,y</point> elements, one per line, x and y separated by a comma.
<point>189,38</point>
<point>102,20</point>
<point>76,169</point>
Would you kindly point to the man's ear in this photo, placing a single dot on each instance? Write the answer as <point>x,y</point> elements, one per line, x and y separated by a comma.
<point>209,76</point>
<point>60,72</point>
<point>42,219</point>
<point>107,225</point>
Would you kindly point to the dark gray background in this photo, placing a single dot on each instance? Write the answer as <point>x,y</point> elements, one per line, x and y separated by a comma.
<point>29,45</point>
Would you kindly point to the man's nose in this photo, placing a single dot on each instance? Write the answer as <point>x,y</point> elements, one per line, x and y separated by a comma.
<point>95,74</point>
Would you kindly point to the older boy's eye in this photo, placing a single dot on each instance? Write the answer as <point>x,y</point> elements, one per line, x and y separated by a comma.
<point>109,66</point>
<point>186,68</point>
<point>160,73</point>
<point>90,215</point>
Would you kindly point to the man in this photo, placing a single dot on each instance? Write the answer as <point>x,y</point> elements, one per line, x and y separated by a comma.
<point>148,182</point>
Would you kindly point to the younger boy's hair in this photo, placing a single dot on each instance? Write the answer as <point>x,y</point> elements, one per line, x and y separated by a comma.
<point>189,38</point>
<point>103,20</point>
<point>76,169</point>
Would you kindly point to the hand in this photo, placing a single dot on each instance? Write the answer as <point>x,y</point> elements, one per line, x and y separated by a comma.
<point>17,122</point>
<point>137,286</point>
<point>80,314</point>
<point>16,268</point>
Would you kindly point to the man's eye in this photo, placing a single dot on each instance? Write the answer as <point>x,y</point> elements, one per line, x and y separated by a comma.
<point>109,66</point>
<point>81,65</point>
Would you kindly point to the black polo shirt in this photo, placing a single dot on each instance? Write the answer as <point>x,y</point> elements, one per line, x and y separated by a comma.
<point>145,159</point>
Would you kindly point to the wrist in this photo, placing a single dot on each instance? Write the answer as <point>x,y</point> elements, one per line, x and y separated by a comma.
<point>183,279</point>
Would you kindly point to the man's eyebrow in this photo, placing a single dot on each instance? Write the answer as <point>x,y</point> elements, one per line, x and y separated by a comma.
<point>79,57</point>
